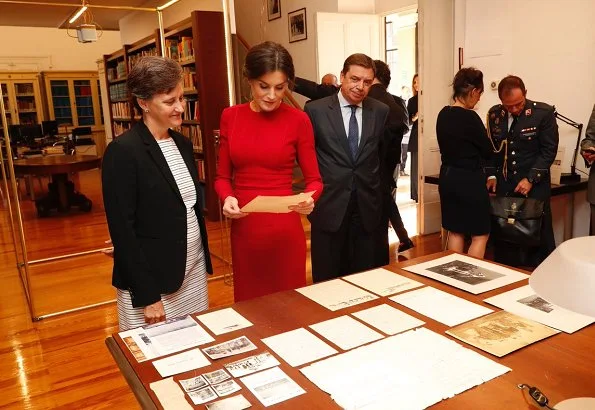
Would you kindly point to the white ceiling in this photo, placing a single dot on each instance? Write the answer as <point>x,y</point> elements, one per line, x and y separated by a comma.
<point>32,15</point>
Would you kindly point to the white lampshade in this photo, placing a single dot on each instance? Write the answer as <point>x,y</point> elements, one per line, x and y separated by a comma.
<point>566,278</point>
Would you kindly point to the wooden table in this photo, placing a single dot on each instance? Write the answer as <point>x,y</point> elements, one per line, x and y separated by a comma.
<point>61,193</point>
<point>562,366</point>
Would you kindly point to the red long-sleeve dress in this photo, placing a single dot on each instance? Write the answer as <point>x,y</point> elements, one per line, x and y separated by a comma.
<point>257,154</point>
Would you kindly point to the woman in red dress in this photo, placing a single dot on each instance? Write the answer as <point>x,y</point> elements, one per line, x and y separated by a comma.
<point>260,143</point>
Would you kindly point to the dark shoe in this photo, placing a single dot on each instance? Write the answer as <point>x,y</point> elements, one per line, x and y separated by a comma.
<point>403,246</point>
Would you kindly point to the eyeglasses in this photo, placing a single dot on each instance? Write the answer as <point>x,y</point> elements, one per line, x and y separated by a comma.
<point>537,396</point>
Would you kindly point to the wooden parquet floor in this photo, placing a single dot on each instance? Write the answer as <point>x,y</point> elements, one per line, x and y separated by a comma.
<point>61,362</point>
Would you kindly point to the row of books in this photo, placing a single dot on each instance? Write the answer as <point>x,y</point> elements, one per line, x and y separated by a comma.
<point>193,133</point>
<point>189,75</point>
<point>114,73</point>
<point>191,113</point>
<point>179,49</point>
<point>120,128</point>
<point>118,91</point>
<point>121,110</point>
<point>133,58</point>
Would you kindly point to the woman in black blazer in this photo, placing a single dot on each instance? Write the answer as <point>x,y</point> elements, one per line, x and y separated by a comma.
<point>152,204</point>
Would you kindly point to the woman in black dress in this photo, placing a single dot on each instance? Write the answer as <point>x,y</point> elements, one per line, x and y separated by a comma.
<point>465,150</point>
<point>413,140</point>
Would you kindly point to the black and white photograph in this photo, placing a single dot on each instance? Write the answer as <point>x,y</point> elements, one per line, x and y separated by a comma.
<point>232,347</point>
<point>226,388</point>
<point>202,396</point>
<point>465,272</point>
<point>252,364</point>
<point>193,384</point>
<point>538,303</point>
<point>297,25</point>
<point>469,274</point>
<point>274,9</point>
<point>216,376</point>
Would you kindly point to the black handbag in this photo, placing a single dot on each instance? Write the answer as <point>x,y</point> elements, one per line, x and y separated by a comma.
<point>516,220</point>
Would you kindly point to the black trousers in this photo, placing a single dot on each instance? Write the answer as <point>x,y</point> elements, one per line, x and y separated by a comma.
<point>394,216</point>
<point>414,176</point>
<point>348,250</point>
<point>403,156</point>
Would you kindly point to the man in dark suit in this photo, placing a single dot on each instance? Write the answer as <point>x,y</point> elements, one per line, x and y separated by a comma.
<point>588,153</point>
<point>347,229</point>
<point>529,133</point>
<point>314,91</point>
<point>396,127</point>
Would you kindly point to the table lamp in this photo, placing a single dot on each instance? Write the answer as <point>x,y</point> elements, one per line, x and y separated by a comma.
<point>566,278</point>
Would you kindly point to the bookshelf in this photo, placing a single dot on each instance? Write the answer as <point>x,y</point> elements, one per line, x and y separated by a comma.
<point>22,98</point>
<point>198,44</point>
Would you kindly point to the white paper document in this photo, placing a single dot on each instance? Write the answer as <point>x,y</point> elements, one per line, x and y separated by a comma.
<point>382,282</point>
<point>412,370</point>
<point>203,395</point>
<point>232,347</point>
<point>224,321</point>
<point>525,303</point>
<point>160,339</point>
<point>170,395</point>
<point>275,204</point>
<point>238,402</point>
<point>252,364</point>
<point>336,294</point>
<point>467,273</point>
<point>298,346</point>
<point>272,386</point>
<point>346,332</point>
<point>441,306</point>
<point>387,319</point>
<point>181,362</point>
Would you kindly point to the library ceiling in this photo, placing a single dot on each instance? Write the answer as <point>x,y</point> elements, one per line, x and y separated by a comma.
<point>33,15</point>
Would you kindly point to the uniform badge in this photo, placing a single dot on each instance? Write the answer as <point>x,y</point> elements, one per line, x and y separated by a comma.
<point>527,112</point>
<point>492,116</point>
<point>497,120</point>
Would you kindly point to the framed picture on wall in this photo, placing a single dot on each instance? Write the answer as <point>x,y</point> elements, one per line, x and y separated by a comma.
<point>274,9</point>
<point>297,25</point>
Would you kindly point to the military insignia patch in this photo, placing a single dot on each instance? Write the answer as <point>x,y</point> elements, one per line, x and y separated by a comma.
<point>528,112</point>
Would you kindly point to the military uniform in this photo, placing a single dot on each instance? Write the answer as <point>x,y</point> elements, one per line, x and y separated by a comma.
<point>529,151</point>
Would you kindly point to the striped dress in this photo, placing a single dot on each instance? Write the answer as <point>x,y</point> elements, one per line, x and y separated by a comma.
<point>192,295</point>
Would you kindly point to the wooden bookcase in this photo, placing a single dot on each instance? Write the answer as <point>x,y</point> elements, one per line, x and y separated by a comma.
<point>198,44</point>
<point>22,98</point>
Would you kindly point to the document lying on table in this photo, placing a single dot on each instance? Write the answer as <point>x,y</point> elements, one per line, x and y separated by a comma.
<point>382,282</point>
<point>388,319</point>
<point>181,362</point>
<point>501,333</point>
<point>224,321</point>
<point>298,346</point>
<point>275,204</point>
<point>524,302</point>
<point>412,370</point>
<point>252,364</point>
<point>441,306</point>
<point>159,339</point>
<point>232,347</point>
<point>238,402</point>
<point>467,273</point>
<point>336,294</point>
<point>346,332</point>
<point>170,395</point>
<point>272,386</point>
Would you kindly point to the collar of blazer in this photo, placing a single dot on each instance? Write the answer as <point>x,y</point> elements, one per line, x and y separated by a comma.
<point>159,159</point>
<point>336,119</point>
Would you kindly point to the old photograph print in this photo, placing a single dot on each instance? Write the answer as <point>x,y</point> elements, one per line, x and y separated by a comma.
<point>465,272</point>
<point>538,303</point>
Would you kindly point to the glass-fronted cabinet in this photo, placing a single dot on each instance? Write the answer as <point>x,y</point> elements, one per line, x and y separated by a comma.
<point>73,99</point>
<point>22,98</point>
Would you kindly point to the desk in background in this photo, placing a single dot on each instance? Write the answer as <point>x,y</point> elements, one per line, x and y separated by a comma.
<point>561,366</point>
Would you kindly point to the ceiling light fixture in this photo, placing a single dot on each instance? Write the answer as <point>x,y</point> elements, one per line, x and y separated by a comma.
<point>78,14</point>
<point>166,5</point>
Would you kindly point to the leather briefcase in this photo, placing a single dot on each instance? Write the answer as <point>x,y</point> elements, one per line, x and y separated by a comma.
<point>517,220</point>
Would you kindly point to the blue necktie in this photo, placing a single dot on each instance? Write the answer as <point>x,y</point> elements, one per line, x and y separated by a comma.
<point>353,132</point>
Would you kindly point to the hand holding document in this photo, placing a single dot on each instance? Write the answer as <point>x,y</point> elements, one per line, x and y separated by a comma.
<point>276,204</point>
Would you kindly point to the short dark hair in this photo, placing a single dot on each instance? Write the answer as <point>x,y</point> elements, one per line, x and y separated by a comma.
<point>382,72</point>
<point>152,75</point>
<point>358,59</point>
<point>509,83</point>
<point>266,58</point>
<point>465,81</point>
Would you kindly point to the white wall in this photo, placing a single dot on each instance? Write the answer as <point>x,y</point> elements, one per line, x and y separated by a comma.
<point>142,24</point>
<point>390,6</point>
<point>41,48</point>
<point>356,6</point>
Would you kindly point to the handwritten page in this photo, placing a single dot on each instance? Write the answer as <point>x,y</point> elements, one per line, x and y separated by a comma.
<point>170,395</point>
<point>441,306</point>
<point>412,370</point>
<point>298,346</point>
<point>346,332</point>
<point>388,319</point>
<point>275,204</point>
<point>382,282</point>
<point>525,303</point>
<point>224,321</point>
<point>272,386</point>
<point>181,362</point>
<point>336,294</point>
